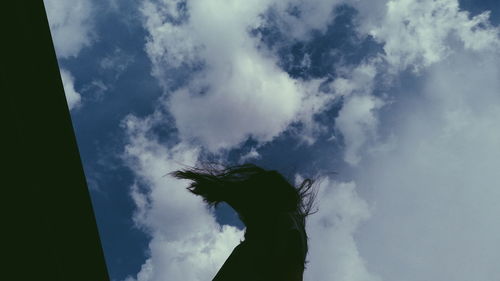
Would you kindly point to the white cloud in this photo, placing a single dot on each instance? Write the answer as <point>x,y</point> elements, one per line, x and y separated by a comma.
<point>72,96</point>
<point>358,123</point>
<point>436,191</point>
<point>333,253</point>
<point>252,154</point>
<point>415,35</point>
<point>434,185</point>
<point>71,25</point>
<point>418,33</point>
<point>357,120</point>
<point>186,241</point>
<point>297,18</point>
<point>433,182</point>
<point>248,96</point>
<point>240,87</point>
<point>240,92</point>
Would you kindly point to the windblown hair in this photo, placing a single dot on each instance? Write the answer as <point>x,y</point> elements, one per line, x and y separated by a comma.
<point>250,189</point>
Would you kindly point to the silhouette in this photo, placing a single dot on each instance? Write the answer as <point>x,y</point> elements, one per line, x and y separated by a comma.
<point>274,213</point>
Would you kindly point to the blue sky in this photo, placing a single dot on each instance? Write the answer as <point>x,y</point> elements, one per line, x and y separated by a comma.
<point>394,104</point>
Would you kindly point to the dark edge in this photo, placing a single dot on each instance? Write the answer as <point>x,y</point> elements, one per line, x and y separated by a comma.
<point>49,229</point>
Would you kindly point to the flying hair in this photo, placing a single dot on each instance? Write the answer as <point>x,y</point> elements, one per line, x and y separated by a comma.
<point>250,189</point>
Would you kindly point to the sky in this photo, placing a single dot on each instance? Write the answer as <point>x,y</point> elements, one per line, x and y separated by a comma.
<point>394,106</point>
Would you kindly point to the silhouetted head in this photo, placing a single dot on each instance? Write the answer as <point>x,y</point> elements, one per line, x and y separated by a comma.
<point>252,191</point>
<point>273,210</point>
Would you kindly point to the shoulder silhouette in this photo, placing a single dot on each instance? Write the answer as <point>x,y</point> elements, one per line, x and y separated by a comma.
<point>274,213</point>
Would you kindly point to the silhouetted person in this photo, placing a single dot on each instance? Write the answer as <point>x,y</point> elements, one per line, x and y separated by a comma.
<point>274,213</point>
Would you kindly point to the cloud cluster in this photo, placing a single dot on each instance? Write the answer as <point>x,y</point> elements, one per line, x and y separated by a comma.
<point>297,18</point>
<point>429,176</point>
<point>432,181</point>
<point>186,241</point>
<point>333,253</point>
<point>435,186</point>
<point>232,91</point>
<point>416,34</point>
<point>232,82</point>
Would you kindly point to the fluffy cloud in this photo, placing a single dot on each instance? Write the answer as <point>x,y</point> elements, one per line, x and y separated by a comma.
<point>436,188</point>
<point>250,97</point>
<point>333,253</point>
<point>418,33</point>
<point>298,18</point>
<point>357,120</point>
<point>415,35</point>
<point>430,176</point>
<point>71,25</point>
<point>232,83</point>
<point>72,96</point>
<point>433,182</point>
<point>186,241</point>
<point>232,90</point>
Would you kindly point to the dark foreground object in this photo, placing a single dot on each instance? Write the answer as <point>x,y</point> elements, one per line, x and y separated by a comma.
<point>275,252</point>
<point>48,227</point>
<point>274,213</point>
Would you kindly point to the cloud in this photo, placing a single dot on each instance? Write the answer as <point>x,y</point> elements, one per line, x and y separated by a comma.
<point>415,35</point>
<point>432,181</point>
<point>436,188</point>
<point>117,62</point>
<point>418,33</point>
<point>71,25</point>
<point>252,154</point>
<point>333,253</point>
<point>424,168</point>
<point>230,81</point>
<point>186,241</point>
<point>357,120</point>
<point>72,96</point>
<point>297,19</point>
<point>229,90</point>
